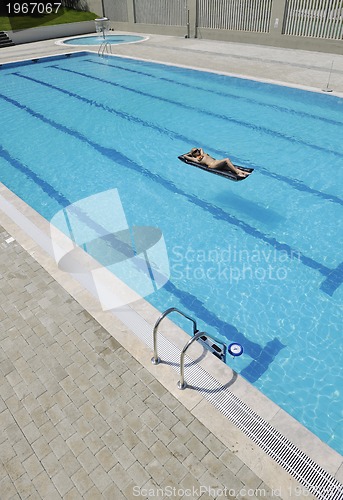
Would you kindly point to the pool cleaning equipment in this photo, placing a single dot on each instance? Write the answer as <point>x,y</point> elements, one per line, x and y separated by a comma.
<point>235,349</point>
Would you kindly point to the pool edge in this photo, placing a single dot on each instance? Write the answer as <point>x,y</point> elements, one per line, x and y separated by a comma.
<point>322,454</point>
<point>80,50</point>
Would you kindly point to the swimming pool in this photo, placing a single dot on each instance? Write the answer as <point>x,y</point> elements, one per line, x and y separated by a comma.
<point>257,262</point>
<point>99,39</point>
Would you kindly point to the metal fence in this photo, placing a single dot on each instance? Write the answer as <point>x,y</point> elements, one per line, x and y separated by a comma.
<point>163,12</point>
<point>239,15</point>
<point>315,24</point>
<point>117,10</point>
<point>314,18</point>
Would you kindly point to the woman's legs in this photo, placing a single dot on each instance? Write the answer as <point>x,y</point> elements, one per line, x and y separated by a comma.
<point>227,164</point>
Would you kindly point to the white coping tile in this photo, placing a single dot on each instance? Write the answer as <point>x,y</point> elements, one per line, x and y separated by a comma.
<point>320,453</point>
<point>288,426</point>
<point>248,452</point>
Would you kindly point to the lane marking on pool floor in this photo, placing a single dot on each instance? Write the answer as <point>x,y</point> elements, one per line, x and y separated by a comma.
<point>300,466</point>
<point>305,470</point>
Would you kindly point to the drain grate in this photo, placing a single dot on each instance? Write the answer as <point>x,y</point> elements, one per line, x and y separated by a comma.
<point>313,477</point>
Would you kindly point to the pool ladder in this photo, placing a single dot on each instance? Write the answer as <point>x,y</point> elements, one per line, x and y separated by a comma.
<point>104,47</point>
<point>208,342</point>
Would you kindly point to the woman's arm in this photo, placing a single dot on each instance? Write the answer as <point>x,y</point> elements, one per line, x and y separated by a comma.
<point>190,158</point>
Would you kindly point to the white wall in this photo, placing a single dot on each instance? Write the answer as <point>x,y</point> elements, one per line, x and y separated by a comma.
<point>95,6</point>
<point>47,32</point>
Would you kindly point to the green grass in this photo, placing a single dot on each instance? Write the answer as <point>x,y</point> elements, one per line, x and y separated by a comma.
<point>63,16</point>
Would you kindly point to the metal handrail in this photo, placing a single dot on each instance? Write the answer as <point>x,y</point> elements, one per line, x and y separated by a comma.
<point>182,384</point>
<point>155,359</point>
<point>100,48</point>
<point>104,46</point>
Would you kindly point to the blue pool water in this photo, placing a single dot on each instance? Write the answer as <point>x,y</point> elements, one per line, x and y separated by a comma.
<point>256,262</point>
<point>98,40</point>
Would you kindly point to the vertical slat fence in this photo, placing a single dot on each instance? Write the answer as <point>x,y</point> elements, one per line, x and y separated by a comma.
<point>314,18</point>
<point>238,15</point>
<point>319,19</point>
<point>163,12</point>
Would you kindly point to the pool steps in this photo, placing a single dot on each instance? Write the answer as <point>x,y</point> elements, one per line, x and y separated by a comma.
<point>312,476</point>
<point>216,347</point>
<point>105,47</point>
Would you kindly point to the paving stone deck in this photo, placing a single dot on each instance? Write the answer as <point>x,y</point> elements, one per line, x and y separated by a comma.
<point>80,417</point>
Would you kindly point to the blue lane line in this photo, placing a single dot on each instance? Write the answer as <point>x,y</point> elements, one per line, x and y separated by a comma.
<point>192,86</point>
<point>65,203</point>
<point>45,186</point>
<point>254,350</point>
<point>121,114</point>
<point>299,185</point>
<point>333,281</point>
<point>262,357</point>
<point>225,118</point>
<point>217,212</point>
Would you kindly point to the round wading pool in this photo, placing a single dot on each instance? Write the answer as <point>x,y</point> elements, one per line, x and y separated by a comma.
<point>98,40</point>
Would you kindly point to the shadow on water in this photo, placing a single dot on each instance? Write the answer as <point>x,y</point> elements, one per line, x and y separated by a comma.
<point>262,357</point>
<point>251,209</point>
<point>258,366</point>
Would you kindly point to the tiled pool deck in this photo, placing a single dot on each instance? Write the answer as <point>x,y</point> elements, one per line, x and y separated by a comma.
<point>83,412</point>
